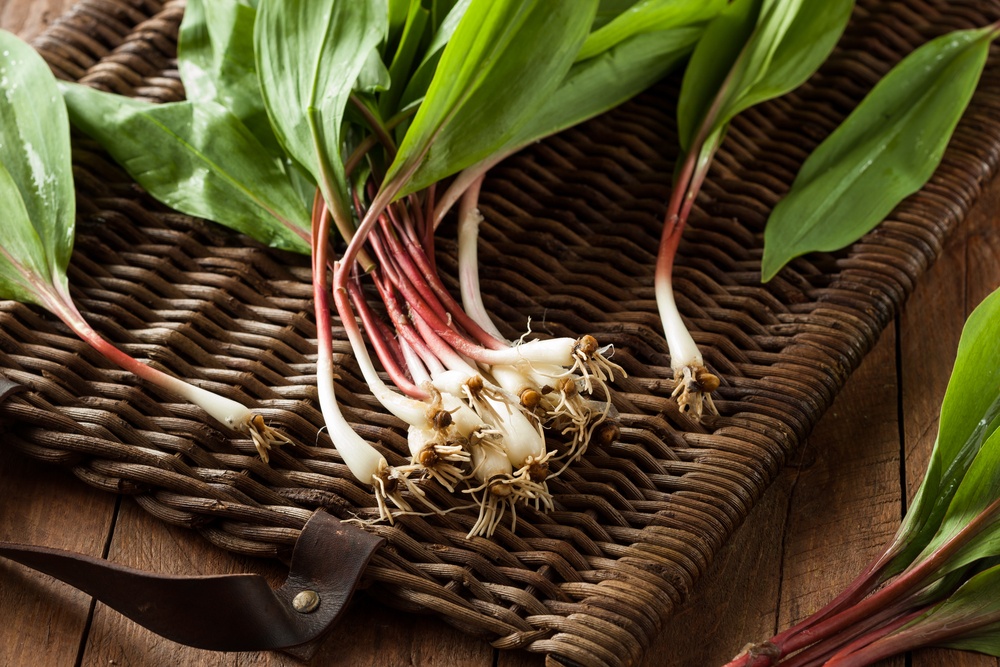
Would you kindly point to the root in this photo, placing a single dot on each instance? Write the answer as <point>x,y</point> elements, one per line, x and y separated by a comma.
<point>693,391</point>
<point>502,492</point>
<point>386,484</point>
<point>444,463</point>
<point>264,437</point>
<point>592,365</point>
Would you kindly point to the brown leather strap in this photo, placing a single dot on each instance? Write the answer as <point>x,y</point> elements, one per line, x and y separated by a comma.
<point>237,612</point>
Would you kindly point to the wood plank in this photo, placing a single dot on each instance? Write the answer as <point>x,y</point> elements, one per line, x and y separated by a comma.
<point>44,620</point>
<point>797,548</point>
<point>27,18</point>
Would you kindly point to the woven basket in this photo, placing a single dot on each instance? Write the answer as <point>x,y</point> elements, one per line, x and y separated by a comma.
<point>569,241</point>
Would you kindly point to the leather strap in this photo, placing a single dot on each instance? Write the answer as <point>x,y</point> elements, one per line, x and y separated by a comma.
<point>237,612</point>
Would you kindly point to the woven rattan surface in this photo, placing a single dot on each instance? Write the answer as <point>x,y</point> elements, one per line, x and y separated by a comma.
<point>569,241</point>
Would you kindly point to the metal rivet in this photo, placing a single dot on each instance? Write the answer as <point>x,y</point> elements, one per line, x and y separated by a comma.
<point>306,602</point>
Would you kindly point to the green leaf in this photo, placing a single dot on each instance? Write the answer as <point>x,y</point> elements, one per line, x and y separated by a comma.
<point>754,51</point>
<point>216,61</point>
<point>598,84</point>
<point>979,488</point>
<point>309,55</point>
<point>35,150</point>
<point>374,76</point>
<point>648,16</point>
<point>960,462</point>
<point>504,59</point>
<point>608,11</point>
<point>23,263</point>
<point>198,159</point>
<point>884,151</point>
<point>398,12</point>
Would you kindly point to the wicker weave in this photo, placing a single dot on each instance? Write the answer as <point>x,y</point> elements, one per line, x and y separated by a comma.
<point>569,241</point>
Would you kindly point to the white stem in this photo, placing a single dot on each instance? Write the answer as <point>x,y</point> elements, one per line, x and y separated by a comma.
<point>363,460</point>
<point>489,463</point>
<point>229,412</point>
<point>418,371</point>
<point>684,352</point>
<point>452,381</point>
<point>558,351</point>
<point>466,421</point>
<point>461,183</point>
<point>409,410</point>
<point>468,270</point>
<point>512,380</point>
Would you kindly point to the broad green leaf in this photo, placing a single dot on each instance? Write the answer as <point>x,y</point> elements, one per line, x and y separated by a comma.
<point>309,55</point>
<point>216,62</point>
<point>649,16</point>
<point>198,159</point>
<point>978,489</point>
<point>961,464</point>
<point>23,264</point>
<point>35,150</point>
<point>754,51</point>
<point>503,60</point>
<point>603,82</point>
<point>884,151</point>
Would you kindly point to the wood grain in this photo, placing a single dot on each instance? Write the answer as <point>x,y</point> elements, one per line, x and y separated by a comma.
<point>824,517</point>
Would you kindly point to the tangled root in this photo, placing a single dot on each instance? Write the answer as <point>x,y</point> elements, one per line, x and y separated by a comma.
<point>264,437</point>
<point>693,391</point>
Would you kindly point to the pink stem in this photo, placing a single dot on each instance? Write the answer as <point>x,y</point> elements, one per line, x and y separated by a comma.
<point>397,255</point>
<point>864,632</point>
<point>857,590</point>
<point>429,227</point>
<point>382,348</point>
<point>405,328</point>
<point>892,643</point>
<point>63,307</point>
<point>416,265</point>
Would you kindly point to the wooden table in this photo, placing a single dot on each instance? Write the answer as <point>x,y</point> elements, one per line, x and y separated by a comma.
<point>822,520</point>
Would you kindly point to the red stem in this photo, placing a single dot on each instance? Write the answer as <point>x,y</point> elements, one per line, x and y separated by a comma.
<point>861,634</point>
<point>395,254</point>
<point>403,326</point>
<point>61,305</point>
<point>429,226</point>
<point>416,265</point>
<point>669,240</point>
<point>382,347</point>
<point>872,645</point>
<point>856,591</point>
<point>918,576</point>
